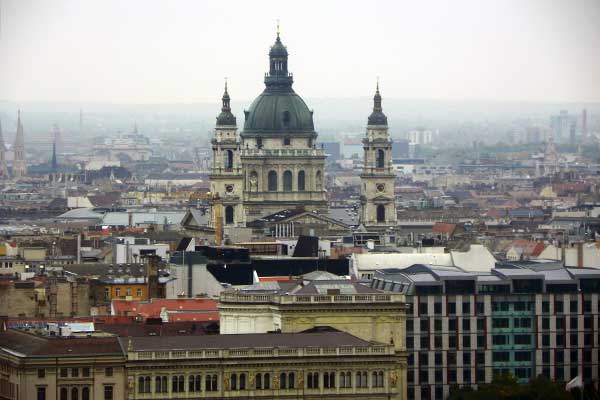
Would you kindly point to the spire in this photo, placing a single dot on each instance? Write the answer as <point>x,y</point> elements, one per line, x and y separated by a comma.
<point>226,118</point>
<point>3,167</point>
<point>377,117</point>
<point>278,29</point>
<point>19,165</point>
<point>54,161</point>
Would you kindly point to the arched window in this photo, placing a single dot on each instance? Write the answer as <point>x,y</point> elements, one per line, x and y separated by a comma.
<point>380,379</point>
<point>291,380</point>
<point>64,393</point>
<point>374,379</point>
<point>283,380</point>
<point>191,380</point>
<point>165,387</point>
<point>229,160</point>
<point>272,181</point>
<point>141,385</point>
<point>234,385</point>
<point>242,381</point>
<point>301,181</point>
<point>287,181</point>
<point>259,142</point>
<point>229,215</point>
<point>147,384</point>
<point>198,383</point>
<point>380,158</point>
<point>85,393</point>
<point>74,394</point>
<point>319,180</point>
<point>267,381</point>
<point>181,384</point>
<point>174,387</point>
<point>381,213</point>
<point>364,380</point>
<point>258,381</point>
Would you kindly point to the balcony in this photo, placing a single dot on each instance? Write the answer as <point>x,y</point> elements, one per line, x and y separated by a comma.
<point>235,297</point>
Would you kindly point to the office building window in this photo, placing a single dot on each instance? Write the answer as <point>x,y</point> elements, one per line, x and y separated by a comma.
<point>424,342</point>
<point>41,393</point>
<point>85,372</point>
<point>545,340</point>
<point>467,375</point>
<point>108,371</point>
<point>74,372</point>
<point>466,307</point>
<point>545,307</point>
<point>480,375</point>
<point>522,339</point>
<point>500,323</point>
<point>480,324</point>
<point>451,358</point>
<point>466,324</point>
<point>480,341</point>
<point>439,392</point>
<point>437,341</point>
<point>451,308</point>
<point>466,358</point>
<point>41,373</point>
<point>587,306</point>
<point>573,306</point>
<point>559,357</point>
<point>466,341</point>
<point>64,372</point>
<point>546,357</point>
<point>437,325</point>
<point>545,323</point>
<point>438,358</point>
<point>558,306</point>
<point>410,342</point>
<point>409,326</point>
<point>437,308</point>
<point>479,307</point>
<point>452,324</point>
<point>423,308</point>
<point>424,325</point>
<point>452,341</point>
<point>423,377</point>
<point>480,358</point>
<point>451,376</point>
<point>439,375</point>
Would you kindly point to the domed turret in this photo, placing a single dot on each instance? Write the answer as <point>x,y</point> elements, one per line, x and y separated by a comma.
<point>226,118</point>
<point>377,117</point>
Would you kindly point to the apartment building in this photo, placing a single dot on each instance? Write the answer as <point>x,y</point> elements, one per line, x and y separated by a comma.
<point>524,318</point>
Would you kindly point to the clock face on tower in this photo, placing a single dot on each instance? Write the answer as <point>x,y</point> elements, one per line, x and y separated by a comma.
<point>229,189</point>
<point>380,187</point>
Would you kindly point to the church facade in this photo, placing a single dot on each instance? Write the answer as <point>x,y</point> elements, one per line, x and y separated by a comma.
<point>274,163</point>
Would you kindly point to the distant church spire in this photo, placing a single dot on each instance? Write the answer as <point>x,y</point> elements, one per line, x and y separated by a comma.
<point>19,165</point>
<point>54,161</point>
<point>3,167</point>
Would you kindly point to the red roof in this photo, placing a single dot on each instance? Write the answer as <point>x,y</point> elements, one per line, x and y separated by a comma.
<point>443,227</point>
<point>203,309</point>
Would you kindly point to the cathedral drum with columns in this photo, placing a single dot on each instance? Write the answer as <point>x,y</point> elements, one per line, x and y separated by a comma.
<point>274,164</point>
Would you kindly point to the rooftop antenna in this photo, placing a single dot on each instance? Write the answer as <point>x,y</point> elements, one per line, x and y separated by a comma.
<point>278,32</point>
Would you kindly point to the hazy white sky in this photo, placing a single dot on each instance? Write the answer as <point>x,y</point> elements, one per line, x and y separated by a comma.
<point>171,51</point>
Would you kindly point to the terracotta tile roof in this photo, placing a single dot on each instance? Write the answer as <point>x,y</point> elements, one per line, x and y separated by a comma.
<point>442,227</point>
<point>203,309</point>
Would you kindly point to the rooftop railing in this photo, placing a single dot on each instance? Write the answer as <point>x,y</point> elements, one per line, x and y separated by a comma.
<point>262,352</point>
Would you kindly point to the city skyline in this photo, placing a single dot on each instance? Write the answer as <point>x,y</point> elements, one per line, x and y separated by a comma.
<point>180,52</point>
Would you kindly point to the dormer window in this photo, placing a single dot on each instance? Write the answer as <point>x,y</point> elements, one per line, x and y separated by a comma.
<point>286,118</point>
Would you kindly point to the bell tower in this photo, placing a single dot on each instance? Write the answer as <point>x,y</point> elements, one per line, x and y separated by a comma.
<point>226,170</point>
<point>378,209</point>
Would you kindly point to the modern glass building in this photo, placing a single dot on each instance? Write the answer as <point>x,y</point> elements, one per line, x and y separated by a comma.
<point>525,318</point>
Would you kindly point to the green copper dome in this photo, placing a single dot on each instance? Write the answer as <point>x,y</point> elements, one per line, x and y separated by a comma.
<point>278,109</point>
